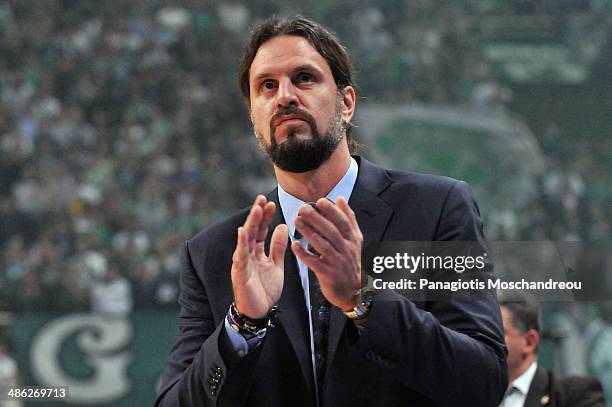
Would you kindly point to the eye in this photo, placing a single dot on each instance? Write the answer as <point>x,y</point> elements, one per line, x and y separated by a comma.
<point>267,85</point>
<point>304,77</point>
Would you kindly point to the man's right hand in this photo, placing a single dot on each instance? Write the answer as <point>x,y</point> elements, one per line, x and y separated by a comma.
<point>257,279</point>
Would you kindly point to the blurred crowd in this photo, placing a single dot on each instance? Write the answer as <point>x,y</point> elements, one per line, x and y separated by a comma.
<point>122,133</point>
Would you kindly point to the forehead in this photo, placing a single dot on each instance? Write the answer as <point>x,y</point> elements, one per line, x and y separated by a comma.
<point>284,53</point>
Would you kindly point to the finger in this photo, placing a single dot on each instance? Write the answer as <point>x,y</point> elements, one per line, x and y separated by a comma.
<point>324,248</point>
<point>334,215</point>
<point>268,211</point>
<point>312,261</point>
<point>348,212</point>
<point>252,222</point>
<point>321,225</point>
<point>278,244</point>
<point>242,249</point>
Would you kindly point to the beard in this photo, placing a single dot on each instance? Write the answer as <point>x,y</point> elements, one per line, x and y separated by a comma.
<point>298,155</point>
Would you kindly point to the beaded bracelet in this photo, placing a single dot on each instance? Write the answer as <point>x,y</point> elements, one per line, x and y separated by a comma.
<point>250,327</point>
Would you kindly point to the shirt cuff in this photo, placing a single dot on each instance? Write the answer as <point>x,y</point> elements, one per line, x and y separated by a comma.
<point>239,343</point>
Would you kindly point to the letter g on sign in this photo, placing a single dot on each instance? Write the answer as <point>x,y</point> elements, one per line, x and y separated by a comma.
<point>101,340</point>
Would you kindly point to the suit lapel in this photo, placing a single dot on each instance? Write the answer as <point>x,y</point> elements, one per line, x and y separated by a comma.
<point>539,390</point>
<point>372,214</point>
<point>292,308</point>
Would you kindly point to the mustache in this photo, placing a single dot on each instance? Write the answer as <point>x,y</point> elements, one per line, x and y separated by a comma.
<point>293,110</point>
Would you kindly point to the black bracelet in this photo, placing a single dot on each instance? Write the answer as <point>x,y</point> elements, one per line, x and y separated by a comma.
<point>250,327</point>
<point>242,319</point>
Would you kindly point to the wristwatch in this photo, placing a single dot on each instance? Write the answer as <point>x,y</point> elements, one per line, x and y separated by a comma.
<point>362,309</point>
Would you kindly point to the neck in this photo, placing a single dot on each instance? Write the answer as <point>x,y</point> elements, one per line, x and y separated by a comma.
<point>312,185</point>
<point>514,373</point>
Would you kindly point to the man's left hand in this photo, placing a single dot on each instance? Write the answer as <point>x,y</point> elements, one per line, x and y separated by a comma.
<point>334,234</point>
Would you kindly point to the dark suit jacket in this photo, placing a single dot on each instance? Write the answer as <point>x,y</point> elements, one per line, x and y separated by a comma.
<point>549,390</point>
<point>446,353</point>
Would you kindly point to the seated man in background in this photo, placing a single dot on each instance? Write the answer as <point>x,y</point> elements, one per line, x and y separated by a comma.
<point>531,384</point>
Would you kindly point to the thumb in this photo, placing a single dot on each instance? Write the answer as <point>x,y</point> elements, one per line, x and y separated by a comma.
<point>278,244</point>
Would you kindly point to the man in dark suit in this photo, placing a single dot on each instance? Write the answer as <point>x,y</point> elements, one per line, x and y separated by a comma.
<point>261,324</point>
<point>532,385</point>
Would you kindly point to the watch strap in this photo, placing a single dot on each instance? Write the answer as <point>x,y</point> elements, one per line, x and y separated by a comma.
<point>362,309</point>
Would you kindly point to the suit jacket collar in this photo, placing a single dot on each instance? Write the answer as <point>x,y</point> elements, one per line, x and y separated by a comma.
<point>539,391</point>
<point>372,214</point>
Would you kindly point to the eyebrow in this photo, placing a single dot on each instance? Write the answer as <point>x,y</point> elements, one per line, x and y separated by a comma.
<point>303,67</point>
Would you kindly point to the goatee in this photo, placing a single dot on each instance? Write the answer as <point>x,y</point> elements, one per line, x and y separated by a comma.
<point>299,155</point>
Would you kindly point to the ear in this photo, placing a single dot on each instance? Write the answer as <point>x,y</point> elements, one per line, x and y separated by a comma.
<point>532,340</point>
<point>349,100</point>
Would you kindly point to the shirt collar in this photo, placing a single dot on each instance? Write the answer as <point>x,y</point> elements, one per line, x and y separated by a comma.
<point>523,382</point>
<point>290,204</point>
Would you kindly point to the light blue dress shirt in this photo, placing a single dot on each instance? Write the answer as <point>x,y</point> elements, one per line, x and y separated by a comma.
<point>517,390</point>
<point>289,207</point>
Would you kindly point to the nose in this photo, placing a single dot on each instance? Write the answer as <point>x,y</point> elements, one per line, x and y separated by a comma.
<point>286,95</point>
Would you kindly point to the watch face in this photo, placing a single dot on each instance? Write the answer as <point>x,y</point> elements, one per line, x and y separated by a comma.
<point>367,296</point>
